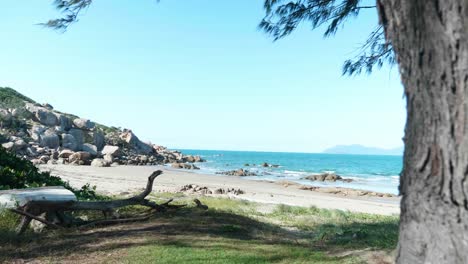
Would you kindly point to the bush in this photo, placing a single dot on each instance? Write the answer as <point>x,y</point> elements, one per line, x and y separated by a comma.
<point>10,98</point>
<point>17,173</point>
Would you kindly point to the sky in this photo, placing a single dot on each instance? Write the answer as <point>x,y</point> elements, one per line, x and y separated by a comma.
<point>198,74</point>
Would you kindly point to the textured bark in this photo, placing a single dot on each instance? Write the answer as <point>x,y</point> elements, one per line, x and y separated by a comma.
<point>430,39</point>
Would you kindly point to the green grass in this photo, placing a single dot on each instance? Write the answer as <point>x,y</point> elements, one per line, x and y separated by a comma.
<point>229,251</point>
<point>230,231</point>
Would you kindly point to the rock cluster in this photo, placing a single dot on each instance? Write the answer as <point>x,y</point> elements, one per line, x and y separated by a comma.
<point>264,164</point>
<point>239,172</point>
<point>327,176</point>
<point>186,166</point>
<point>44,135</point>
<point>203,190</point>
<point>346,191</point>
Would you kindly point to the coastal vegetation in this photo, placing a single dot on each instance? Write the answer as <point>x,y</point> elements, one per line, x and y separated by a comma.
<point>230,231</point>
<point>18,173</point>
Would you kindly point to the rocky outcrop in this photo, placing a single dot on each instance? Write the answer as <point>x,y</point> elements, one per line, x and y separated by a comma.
<point>193,159</point>
<point>80,156</point>
<point>347,192</point>
<point>65,153</point>
<point>99,140</point>
<point>78,134</point>
<point>69,142</point>
<point>239,172</point>
<point>111,150</point>
<point>64,123</point>
<point>46,117</point>
<point>90,148</point>
<point>203,190</point>
<point>327,176</point>
<point>100,163</point>
<point>44,135</point>
<point>49,139</point>
<point>186,166</point>
<point>132,140</point>
<point>83,123</point>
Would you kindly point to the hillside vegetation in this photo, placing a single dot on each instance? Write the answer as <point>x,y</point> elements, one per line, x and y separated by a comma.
<point>9,98</point>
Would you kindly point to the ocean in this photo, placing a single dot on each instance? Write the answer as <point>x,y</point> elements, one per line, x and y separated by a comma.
<point>369,172</point>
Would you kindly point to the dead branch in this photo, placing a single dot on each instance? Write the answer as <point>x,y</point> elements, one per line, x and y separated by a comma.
<point>200,205</point>
<point>32,209</point>
<point>35,218</point>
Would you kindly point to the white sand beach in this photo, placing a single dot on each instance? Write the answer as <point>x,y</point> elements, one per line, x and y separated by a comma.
<point>124,179</point>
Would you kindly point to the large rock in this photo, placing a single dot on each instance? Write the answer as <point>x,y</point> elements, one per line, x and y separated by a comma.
<point>48,106</point>
<point>32,108</point>
<point>327,176</point>
<point>80,155</point>
<point>79,137</point>
<point>239,172</point>
<point>192,159</point>
<point>5,115</point>
<point>8,145</point>
<point>50,140</point>
<point>99,140</point>
<point>20,144</point>
<point>184,166</point>
<point>69,142</point>
<point>108,158</point>
<point>46,117</point>
<point>36,131</point>
<point>112,150</point>
<point>83,123</point>
<point>65,153</point>
<point>100,163</point>
<point>139,146</point>
<point>64,122</point>
<point>91,149</point>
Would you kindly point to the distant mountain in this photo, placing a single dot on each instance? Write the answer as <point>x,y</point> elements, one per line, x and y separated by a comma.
<point>363,150</point>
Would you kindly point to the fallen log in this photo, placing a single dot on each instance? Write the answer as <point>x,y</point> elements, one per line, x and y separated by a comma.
<point>57,205</point>
<point>37,218</point>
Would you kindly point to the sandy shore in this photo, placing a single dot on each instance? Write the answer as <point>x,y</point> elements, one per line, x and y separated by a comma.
<point>122,179</point>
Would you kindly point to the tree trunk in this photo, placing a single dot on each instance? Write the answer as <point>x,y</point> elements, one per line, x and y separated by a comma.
<point>430,39</point>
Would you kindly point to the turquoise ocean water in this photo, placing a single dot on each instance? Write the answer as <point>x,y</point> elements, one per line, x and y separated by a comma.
<point>369,172</point>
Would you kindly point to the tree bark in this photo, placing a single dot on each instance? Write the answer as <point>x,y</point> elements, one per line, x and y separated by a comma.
<point>430,39</point>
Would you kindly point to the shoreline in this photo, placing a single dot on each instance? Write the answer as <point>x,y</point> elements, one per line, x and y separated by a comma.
<point>120,180</point>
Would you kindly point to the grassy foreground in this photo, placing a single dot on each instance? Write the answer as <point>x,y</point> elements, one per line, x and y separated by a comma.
<point>231,231</point>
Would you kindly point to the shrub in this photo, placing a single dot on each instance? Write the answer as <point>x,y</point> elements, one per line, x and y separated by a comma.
<point>10,98</point>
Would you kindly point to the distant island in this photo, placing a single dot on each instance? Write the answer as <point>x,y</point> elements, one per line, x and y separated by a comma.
<point>363,150</point>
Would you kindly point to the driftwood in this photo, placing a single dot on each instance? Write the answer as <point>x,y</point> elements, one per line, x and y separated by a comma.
<point>34,217</point>
<point>200,205</point>
<point>55,210</point>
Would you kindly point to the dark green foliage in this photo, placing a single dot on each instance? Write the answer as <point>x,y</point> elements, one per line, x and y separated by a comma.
<point>284,16</point>
<point>17,173</point>
<point>10,98</point>
<point>107,130</point>
<point>3,138</point>
<point>72,9</point>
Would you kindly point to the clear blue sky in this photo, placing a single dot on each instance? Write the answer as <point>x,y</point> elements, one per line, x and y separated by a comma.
<point>198,74</point>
